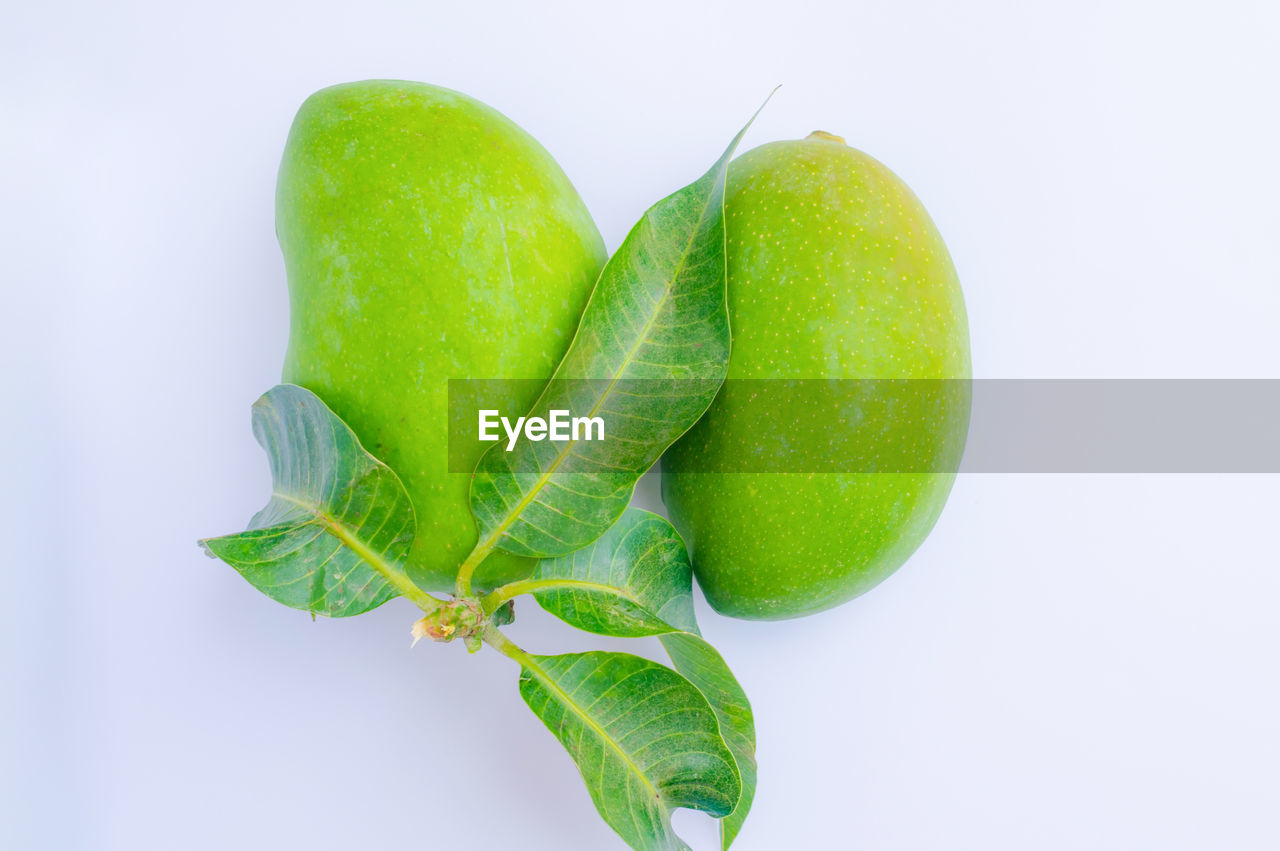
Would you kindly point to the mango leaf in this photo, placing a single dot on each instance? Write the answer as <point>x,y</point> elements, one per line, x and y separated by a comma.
<point>634,581</point>
<point>645,740</point>
<point>333,537</point>
<point>650,352</point>
<point>703,666</point>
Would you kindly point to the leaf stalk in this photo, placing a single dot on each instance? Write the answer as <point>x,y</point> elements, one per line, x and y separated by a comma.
<point>495,598</point>
<point>468,567</point>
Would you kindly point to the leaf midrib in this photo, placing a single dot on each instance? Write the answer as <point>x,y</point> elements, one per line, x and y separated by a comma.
<point>530,663</point>
<point>397,579</point>
<point>553,584</point>
<point>542,480</point>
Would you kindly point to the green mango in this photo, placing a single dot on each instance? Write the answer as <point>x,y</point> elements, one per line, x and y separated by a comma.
<point>426,237</point>
<point>835,272</point>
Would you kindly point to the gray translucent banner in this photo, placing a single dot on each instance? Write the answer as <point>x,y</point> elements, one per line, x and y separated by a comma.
<point>909,425</point>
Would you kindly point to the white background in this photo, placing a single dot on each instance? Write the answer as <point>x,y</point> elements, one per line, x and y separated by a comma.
<point>1083,662</point>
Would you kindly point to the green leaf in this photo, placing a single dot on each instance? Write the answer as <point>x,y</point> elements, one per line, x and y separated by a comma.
<point>633,581</point>
<point>333,537</point>
<point>645,740</point>
<point>703,666</point>
<point>649,355</point>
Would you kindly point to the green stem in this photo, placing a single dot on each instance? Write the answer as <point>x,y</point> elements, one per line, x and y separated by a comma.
<point>491,601</point>
<point>495,639</point>
<point>468,567</point>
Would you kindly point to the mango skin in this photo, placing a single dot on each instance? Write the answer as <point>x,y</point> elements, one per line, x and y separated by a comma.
<point>835,271</point>
<point>426,237</point>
